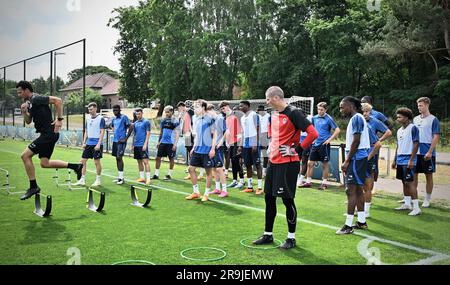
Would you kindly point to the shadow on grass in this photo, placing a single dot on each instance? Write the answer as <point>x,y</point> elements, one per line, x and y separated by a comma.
<point>426,215</point>
<point>228,209</point>
<point>400,228</point>
<point>305,256</point>
<point>47,230</point>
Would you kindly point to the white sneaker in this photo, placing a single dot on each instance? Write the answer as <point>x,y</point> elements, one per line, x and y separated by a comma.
<point>426,204</point>
<point>239,185</point>
<point>96,184</point>
<point>404,207</point>
<point>415,212</point>
<point>401,201</point>
<point>120,181</point>
<point>299,183</point>
<point>80,182</point>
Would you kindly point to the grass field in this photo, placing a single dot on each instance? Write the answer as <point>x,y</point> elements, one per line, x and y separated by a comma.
<point>172,224</point>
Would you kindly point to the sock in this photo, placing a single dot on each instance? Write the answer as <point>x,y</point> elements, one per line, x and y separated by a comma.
<point>218,185</point>
<point>121,175</point>
<point>33,184</point>
<point>72,166</point>
<point>415,204</point>
<point>141,174</point>
<point>291,235</point>
<point>264,171</point>
<point>367,207</point>
<point>324,181</point>
<point>148,175</point>
<point>98,178</point>
<point>241,181</point>
<point>259,183</point>
<point>195,188</point>
<point>170,172</point>
<point>224,187</point>
<point>302,178</point>
<point>362,217</point>
<point>202,171</point>
<point>83,177</point>
<point>349,220</point>
<point>207,191</point>
<point>408,200</point>
<point>249,182</point>
<point>428,197</point>
<point>268,233</point>
<point>157,172</point>
<point>308,180</point>
<point>226,172</point>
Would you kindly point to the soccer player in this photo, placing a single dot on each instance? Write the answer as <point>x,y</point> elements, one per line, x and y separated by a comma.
<point>220,129</point>
<point>285,124</point>
<point>406,159</point>
<point>167,143</point>
<point>204,149</point>
<point>186,129</point>
<point>264,136</point>
<point>304,157</point>
<point>375,127</point>
<point>36,109</point>
<point>374,113</point>
<point>93,144</point>
<point>320,149</point>
<point>357,145</point>
<point>233,141</point>
<point>251,146</point>
<point>429,133</point>
<point>120,125</point>
<point>141,137</point>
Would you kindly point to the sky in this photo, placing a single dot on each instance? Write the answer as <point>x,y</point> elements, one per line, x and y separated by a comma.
<point>31,27</point>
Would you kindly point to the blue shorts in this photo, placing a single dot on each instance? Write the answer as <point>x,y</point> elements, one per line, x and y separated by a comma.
<point>251,157</point>
<point>405,174</point>
<point>139,153</point>
<point>201,160</point>
<point>218,158</point>
<point>90,152</point>
<point>356,172</point>
<point>371,167</point>
<point>118,149</point>
<point>425,166</point>
<point>320,153</point>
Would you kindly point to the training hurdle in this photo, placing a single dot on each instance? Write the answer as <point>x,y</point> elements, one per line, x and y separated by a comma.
<point>37,205</point>
<point>7,185</point>
<point>135,198</point>
<point>68,180</point>
<point>90,200</point>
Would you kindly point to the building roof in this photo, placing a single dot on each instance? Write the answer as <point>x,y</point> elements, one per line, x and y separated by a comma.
<point>107,84</point>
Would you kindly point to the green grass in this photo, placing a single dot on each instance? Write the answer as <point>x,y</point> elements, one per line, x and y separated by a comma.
<point>171,224</point>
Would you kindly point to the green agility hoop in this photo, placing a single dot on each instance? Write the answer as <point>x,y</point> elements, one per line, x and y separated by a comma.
<point>242,242</point>
<point>133,261</point>
<point>224,254</point>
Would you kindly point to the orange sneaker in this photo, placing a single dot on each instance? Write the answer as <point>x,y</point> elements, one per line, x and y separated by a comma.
<point>193,196</point>
<point>259,192</point>
<point>141,180</point>
<point>247,190</point>
<point>205,198</point>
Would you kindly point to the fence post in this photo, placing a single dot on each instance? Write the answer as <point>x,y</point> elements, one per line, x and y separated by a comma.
<point>14,118</point>
<point>67,117</point>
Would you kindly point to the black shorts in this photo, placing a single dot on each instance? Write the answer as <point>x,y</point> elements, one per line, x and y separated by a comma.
<point>305,154</point>
<point>375,175</point>
<point>233,151</point>
<point>251,157</point>
<point>166,150</point>
<point>404,173</point>
<point>44,144</point>
<point>218,158</point>
<point>320,153</point>
<point>90,152</point>
<point>425,166</point>
<point>201,160</point>
<point>118,149</point>
<point>139,153</point>
<point>371,166</point>
<point>356,172</point>
<point>281,179</point>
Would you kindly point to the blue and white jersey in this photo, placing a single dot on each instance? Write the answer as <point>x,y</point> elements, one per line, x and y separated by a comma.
<point>169,126</point>
<point>220,127</point>
<point>375,127</point>
<point>120,125</point>
<point>428,127</point>
<point>250,122</point>
<point>323,125</point>
<point>304,134</point>
<point>378,115</point>
<point>141,127</point>
<point>358,125</point>
<point>204,127</point>
<point>406,137</point>
<point>94,127</point>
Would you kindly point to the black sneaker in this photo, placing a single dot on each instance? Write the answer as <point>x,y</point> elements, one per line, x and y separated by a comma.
<point>30,192</point>
<point>360,226</point>
<point>168,177</point>
<point>78,171</point>
<point>264,239</point>
<point>346,230</point>
<point>155,177</point>
<point>289,243</point>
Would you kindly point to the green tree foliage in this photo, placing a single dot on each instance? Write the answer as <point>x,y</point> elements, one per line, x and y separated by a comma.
<point>74,101</point>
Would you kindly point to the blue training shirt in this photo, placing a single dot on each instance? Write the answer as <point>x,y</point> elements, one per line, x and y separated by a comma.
<point>323,125</point>
<point>120,125</point>
<point>205,130</point>
<point>168,127</point>
<point>141,127</point>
